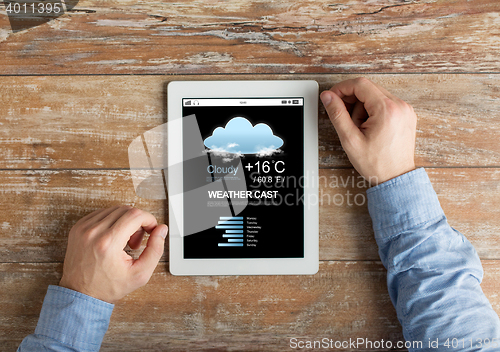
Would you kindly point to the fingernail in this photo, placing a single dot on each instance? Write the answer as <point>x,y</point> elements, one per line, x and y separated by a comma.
<point>325,99</point>
<point>163,231</point>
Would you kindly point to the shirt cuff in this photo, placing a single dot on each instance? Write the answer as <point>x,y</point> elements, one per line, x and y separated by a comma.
<point>402,203</point>
<point>74,319</point>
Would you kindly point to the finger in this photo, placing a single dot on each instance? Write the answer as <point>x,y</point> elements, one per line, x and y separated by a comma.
<point>149,258</point>
<point>93,218</point>
<point>364,90</point>
<point>105,222</point>
<point>339,116</point>
<point>130,222</point>
<point>359,114</point>
<point>386,92</point>
<point>101,214</point>
<point>349,101</point>
<point>89,216</point>
<point>136,239</point>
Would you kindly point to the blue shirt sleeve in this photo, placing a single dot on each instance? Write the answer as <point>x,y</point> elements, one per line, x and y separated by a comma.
<point>69,321</point>
<point>433,271</point>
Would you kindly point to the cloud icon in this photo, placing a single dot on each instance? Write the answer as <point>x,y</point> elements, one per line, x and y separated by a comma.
<point>239,136</point>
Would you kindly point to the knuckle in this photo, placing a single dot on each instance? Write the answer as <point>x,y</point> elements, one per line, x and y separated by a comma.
<point>335,114</point>
<point>75,229</point>
<point>103,244</point>
<point>361,80</point>
<point>391,108</point>
<point>410,107</point>
<point>352,143</point>
<point>408,110</point>
<point>91,231</point>
<point>79,223</point>
<point>404,104</point>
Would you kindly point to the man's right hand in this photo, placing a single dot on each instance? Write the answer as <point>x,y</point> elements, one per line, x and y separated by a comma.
<point>376,129</point>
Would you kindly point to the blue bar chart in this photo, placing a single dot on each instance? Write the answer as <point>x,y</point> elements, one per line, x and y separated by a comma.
<point>234,233</point>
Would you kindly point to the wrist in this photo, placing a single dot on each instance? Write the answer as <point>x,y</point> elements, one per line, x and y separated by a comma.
<point>71,286</point>
<point>402,203</point>
<point>385,176</point>
<point>65,284</point>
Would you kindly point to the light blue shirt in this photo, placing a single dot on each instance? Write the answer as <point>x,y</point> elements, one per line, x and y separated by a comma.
<point>433,276</point>
<point>433,271</point>
<point>69,321</point>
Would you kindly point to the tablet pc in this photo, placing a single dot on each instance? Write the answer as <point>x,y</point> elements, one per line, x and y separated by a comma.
<point>242,177</point>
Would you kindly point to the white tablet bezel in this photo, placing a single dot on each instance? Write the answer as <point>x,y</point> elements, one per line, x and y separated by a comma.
<point>178,90</point>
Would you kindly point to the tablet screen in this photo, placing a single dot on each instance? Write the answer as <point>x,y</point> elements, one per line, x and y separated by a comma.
<point>251,178</point>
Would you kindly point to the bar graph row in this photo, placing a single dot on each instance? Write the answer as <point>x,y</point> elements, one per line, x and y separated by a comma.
<point>233,227</point>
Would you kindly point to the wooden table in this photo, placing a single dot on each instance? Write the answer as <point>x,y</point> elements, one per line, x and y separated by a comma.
<point>76,91</point>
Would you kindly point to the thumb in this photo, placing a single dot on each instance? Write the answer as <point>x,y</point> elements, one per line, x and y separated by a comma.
<point>339,116</point>
<point>151,255</point>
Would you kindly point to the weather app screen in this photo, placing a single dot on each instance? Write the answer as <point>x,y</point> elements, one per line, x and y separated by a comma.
<point>243,175</point>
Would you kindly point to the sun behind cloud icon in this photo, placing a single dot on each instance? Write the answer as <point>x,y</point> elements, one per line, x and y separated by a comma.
<point>239,136</point>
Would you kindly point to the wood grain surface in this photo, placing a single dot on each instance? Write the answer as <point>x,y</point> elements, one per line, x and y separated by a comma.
<point>258,36</point>
<point>76,91</point>
<point>228,313</point>
<point>89,122</point>
<point>40,206</point>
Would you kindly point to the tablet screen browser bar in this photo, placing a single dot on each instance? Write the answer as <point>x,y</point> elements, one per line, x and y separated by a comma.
<point>294,101</point>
